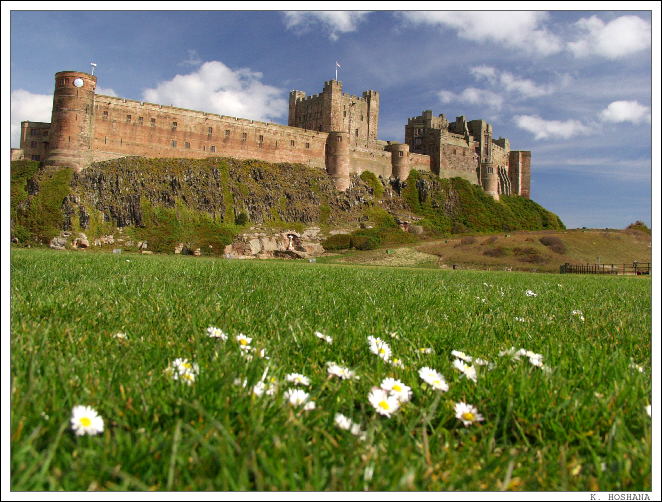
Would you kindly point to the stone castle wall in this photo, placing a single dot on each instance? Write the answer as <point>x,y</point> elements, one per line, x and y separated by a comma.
<point>332,130</point>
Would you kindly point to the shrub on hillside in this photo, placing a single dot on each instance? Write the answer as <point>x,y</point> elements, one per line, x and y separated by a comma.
<point>373,182</point>
<point>555,244</point>
<point>365,242</point>
<point>468,240</point>
<point>529,255</point>
<point>241,219</point>
<point>336,242</point>
<point>495,252</point>
<point>490,240</point>
<point>639,225</point>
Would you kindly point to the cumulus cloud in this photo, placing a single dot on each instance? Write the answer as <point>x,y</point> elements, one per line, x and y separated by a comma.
<point>626,111</point>
<point>548,129</point>
<point>510,82</point>
<point>616,39</point>
<point>28,106</point>
<point>473,96</point>
<point>105,91</point>
<point>519,30</point>
<point>218,89</point>
<point>334,22</point>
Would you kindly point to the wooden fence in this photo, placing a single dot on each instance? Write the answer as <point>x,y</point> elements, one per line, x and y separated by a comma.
<point>609,269</point>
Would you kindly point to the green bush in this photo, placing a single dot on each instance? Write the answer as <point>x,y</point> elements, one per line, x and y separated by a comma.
<point>373,182</point>
<point>365,242</point>
<point>337,241</point>
<point>241,219</point>
<point>495,252</point>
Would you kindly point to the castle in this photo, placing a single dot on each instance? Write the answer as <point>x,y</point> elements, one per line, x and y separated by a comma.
<point>331,130</point>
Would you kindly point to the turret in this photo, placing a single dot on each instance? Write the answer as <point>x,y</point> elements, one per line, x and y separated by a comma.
<point>399,160</point>
<point>337,159</point>
<point>72,120</point>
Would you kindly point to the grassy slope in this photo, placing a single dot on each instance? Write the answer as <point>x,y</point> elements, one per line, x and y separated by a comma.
<point>583,246</point>
<point>582,427</point>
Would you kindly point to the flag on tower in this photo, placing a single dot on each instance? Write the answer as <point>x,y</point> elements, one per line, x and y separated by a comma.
<point>337,66</point>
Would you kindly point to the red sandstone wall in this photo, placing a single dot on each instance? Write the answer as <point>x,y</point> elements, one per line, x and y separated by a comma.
<point>375,161</point>
<point>34,140</point>
<point>419,162</point>
<point>125,127</point>
<point>459,160</point>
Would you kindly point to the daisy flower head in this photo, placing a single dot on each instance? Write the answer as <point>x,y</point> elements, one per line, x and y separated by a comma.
<point>298,397</point>
<point>636,366</point>
<point>342,422</point>
<point>261,388</point>
<point>397,363</point>
<point>394,334</point>
<point>467,414</point>
<point>86,421</point>
<point>579,314</point>
<point>298,379</point>
<point>183,370</point>
<point>426,350</point>
<point>339,371</point>
<point>213,332</point>
<point>397,389</point>
<point>530,293</point>
<point>384,404</point>
<point>467,370</point>
<point>243,340</point>
<point>379,347</point>
<point>536,360</point>
<point>461,355</point>
<point>433,378</point>
<point>120,336</point>
<point>324,337</point>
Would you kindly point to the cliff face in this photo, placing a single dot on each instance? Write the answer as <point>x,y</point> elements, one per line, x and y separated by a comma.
<point>208,201</point>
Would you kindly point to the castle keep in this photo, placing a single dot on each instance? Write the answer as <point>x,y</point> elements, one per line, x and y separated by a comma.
<point>331,130</point>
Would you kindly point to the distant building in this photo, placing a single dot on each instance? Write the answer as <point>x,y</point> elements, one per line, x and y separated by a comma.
<point>331,130</point>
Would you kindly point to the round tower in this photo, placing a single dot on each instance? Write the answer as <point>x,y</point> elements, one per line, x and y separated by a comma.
<point>399,160</point>
<point>337,159</point>
<point>72,120</point>
<point>489,179</point>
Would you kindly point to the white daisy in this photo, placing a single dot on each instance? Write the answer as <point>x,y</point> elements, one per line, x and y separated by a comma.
<point>433,378</point>
<point>520,319</point>
<point>536,360</point>
<point>579,314</point>
<point>467,371</point>
<point>243,339</point>
<point>635,366</point>
<point>461,355</point>
<point>343,422</point>
<point>396,388</point>
<point>324,337</point>
<point>397,363</point>
<point>530,293</point>
<point>213,332</point>
<point>395,335</point>
<point>380,347</point>
<point>86,421</point>
<point>339,371</point>
<point>481,362</point>
<point>648,410</point>
<point>426,350</point>
<point>183,370</point>
<point>298,397</point>
<point>467,414</point>
<point>261,388</point>
<point>298,379</point>
<point>384,404</point>
<point>120,336</point>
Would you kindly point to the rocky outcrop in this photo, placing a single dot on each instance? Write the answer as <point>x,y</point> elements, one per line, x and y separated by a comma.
<point>287,244</point>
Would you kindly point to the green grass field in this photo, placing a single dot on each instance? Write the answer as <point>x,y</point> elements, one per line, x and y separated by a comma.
<point>579,424</point>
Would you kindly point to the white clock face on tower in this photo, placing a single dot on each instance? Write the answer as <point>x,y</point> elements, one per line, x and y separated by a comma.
<point>78,82</point>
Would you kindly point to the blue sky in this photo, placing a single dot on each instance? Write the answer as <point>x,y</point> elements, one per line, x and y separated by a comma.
<point>574,87</point>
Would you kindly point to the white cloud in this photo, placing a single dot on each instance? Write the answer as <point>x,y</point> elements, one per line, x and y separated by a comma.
<point>544,129</point>
<point>626,111</point>
<point>192,58</point>
<point>218,89</point>
<point>28,106</point>
<point>105,91</point>
<point>334,22</point>
<point>473,96</point>
<point>516,29</point>
<point>510,82</point>
<point>618,38</point>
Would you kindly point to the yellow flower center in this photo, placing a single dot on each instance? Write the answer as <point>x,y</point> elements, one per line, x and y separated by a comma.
<point>381,351</point>
<point>243,342</point>
<point>384,405</point>
<point>85,422</point>
<point>436,382</point>
<point>467,415</point>
<point>397,388</point>
<point>187,365</point>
